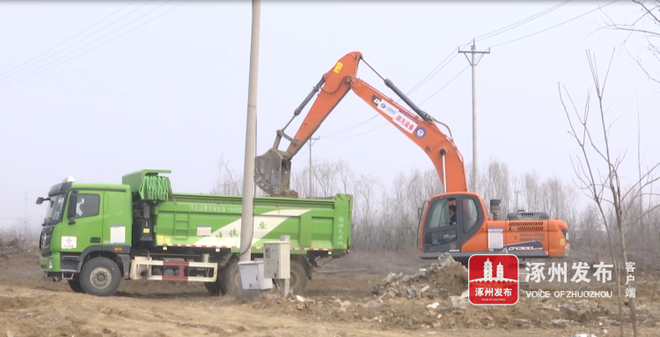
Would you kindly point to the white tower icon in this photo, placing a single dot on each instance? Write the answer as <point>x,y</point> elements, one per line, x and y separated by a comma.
<point>500,271</point>
<point>488,269</point>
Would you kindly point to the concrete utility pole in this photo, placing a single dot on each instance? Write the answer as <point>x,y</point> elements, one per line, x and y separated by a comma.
<point>25,217</point>
<point>473,63</point>
<point>247,218</point>
<point>311,181</point>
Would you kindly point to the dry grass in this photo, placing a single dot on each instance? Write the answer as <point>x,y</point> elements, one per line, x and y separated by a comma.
<point>18,241</point>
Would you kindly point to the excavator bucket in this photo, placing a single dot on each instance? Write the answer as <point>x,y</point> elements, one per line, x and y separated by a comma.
<point>273,173</point>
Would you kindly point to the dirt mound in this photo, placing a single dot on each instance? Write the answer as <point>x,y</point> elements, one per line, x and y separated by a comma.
<point>440,279</point>
<point>436,297</point>
<point>366,295</point>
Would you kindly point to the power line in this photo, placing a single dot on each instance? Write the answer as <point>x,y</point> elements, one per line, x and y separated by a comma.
<point>445,62</point>
<point>555,26</point>
<point>83,39</point>
<point>484,36</point>
<point>364,133</point>
<point>446,84</point>
<point>432,73</point>
<point>2,85</point>
<point>69,39</point>
<point>83,47</point>
<point>521,22</point>
<point>344,130</point>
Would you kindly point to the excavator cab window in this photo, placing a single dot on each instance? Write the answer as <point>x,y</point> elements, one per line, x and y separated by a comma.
<point>442,213</point>
<point>470,215</point>
<point>443,218</point>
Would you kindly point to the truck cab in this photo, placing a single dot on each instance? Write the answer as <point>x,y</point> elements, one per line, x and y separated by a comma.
<point>84,221</point>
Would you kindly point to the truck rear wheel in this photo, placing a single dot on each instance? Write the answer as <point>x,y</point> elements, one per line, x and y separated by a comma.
<point>214,288</point>
<point>100,276</point>
<point>230,280</point>
<point>297,278</point>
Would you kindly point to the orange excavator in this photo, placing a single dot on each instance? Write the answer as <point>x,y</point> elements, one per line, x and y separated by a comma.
<point>455,221</point>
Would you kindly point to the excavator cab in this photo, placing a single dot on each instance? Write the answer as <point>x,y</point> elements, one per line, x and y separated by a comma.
<point>440,234</point>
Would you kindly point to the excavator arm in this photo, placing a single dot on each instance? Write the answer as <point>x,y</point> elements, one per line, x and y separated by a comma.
<point>273,168</point>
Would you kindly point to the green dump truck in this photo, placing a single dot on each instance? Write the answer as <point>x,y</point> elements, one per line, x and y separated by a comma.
<point>94,235</point>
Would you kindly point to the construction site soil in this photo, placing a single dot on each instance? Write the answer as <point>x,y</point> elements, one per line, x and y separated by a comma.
<point>363,294</point>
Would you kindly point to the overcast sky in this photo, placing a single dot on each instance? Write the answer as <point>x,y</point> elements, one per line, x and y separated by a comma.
<point>99,89</point>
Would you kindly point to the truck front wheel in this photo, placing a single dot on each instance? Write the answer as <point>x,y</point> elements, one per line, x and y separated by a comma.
<point>100,276</point>
<point>75,286</point>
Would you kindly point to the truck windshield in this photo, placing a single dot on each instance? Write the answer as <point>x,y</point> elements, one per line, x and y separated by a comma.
<point>54,211</point>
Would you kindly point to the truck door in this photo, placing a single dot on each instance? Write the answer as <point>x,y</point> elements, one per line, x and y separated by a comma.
<point>117,218</point>
<point>87,228</point>
<point>450,221</point>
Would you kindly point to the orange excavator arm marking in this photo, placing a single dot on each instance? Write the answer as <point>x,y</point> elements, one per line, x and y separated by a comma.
<point>273,168</point>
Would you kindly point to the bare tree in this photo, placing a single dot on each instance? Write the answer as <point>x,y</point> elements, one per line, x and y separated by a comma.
<point>229,182</point>
<point>530,191</point>
<point>645,26</point>
<point>603,188</point>
<point>496,184</point>
<point>559,199</point>
<point>366,215</point>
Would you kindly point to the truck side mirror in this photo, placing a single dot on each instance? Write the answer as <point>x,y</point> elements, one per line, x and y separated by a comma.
<point>40,200</point>
<point>71,209</point>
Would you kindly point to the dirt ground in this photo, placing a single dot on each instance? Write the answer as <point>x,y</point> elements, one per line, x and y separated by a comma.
<point>360,295</point>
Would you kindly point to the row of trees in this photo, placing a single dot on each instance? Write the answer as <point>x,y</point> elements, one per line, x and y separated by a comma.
<point>386,216</point>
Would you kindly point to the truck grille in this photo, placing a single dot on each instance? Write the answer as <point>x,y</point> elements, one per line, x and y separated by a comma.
<point>44,240</point>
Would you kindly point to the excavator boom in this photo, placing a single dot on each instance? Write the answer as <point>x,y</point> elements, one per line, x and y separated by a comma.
<point>273,168</point>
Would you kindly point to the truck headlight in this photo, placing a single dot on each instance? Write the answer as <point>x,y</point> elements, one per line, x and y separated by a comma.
<point>50,263</point>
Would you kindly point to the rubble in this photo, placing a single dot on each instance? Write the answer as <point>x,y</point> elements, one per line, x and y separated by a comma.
<point>440,279</point>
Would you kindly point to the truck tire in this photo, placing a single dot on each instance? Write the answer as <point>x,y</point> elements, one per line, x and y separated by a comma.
<point>100,276</point>
<point>75,286</point>
<point>214,288</point>
<point>297,278</point>
<point>230,280</point>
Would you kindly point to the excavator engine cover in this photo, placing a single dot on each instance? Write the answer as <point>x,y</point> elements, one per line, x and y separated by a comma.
<point>522,215</point>
<point>273,173</point>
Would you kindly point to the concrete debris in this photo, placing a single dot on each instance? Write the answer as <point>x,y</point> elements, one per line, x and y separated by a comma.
<point>457,302</point>
<point>438,280</point>
<point>433,305</point>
